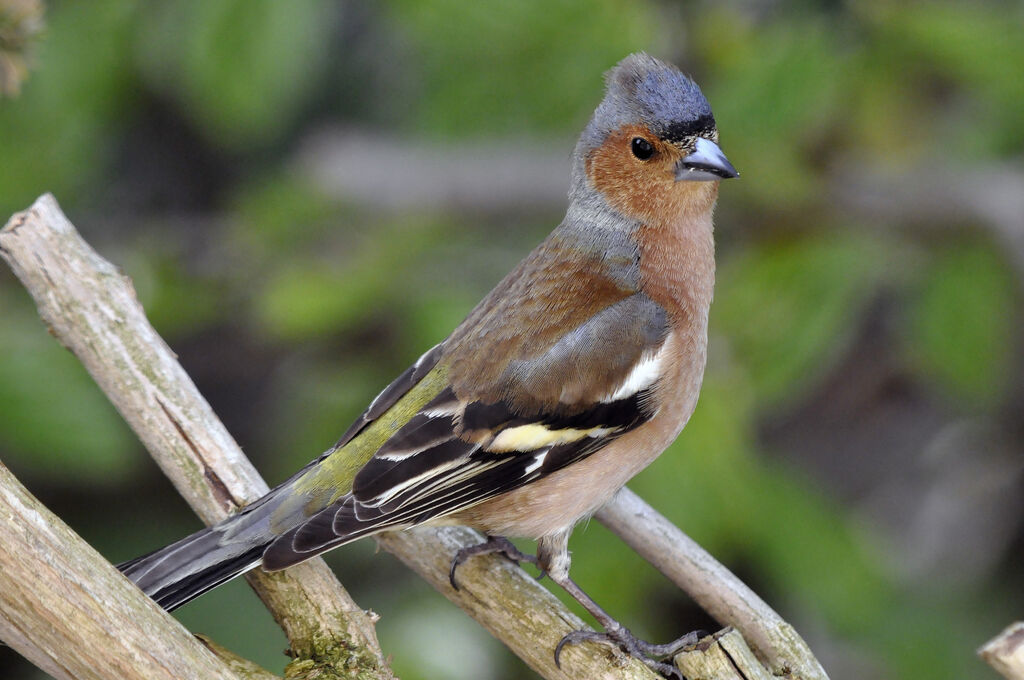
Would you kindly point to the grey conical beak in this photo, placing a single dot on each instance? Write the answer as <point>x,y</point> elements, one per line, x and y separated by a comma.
<point>706,163</point>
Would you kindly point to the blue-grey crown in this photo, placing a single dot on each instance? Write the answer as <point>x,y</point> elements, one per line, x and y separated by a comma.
<point>644,90</point>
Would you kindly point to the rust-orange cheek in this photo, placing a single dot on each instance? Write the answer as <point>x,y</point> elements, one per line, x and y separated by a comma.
<point>644,190</point>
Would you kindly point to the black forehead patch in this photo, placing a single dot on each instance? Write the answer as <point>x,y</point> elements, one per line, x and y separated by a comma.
<point>680,130</point>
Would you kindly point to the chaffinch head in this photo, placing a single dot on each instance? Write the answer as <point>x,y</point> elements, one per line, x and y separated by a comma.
<point>572,375</point>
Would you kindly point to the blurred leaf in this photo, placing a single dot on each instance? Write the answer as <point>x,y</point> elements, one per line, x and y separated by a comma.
<point>961,331</point>
<point>218,614</point>
<point>242,69</point>
<point>54,420</point>
<point>469,653</point>
<point>316,403</point>
<point>775,89</point>
<point>54,133</point>
<point>888,119</point>
<point>975,47</point>
<point>510,66</point>
<point>929,635</point>
<point>281,212</point>
<point>435,313</point>
<point>359,279</point>
<point>21,23</point>
<point>702,480</point>
<point>806,545</point>
<point>788,308</point>
<point>178,300</point>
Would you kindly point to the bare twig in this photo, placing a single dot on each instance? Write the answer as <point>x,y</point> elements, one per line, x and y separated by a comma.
<point>708,582</point>
<point>509,604</point>
<point>1005,652</point>
<point>937,195</point>
<point>495,177</point>
<point>723,656</point>
<point>71,613</point>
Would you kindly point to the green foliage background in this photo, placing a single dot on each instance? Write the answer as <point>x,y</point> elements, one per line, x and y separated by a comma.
<point>169,133</point>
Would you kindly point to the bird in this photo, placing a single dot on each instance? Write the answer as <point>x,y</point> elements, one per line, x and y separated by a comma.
<point>574,373</point>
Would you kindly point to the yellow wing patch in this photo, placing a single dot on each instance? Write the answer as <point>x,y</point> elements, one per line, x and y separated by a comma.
<point>536,436</point>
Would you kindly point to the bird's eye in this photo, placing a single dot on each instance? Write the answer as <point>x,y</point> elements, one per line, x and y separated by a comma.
<point>642,149</point>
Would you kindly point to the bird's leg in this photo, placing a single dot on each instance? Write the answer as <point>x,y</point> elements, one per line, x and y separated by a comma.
<point>618,635</point>
<point>553,558</point>
<point>493,544</point>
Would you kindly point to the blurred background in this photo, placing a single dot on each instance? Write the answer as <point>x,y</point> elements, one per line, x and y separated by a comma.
<point>309,194</point>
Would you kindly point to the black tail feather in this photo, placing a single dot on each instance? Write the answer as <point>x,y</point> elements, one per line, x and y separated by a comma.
<point>185,570</point>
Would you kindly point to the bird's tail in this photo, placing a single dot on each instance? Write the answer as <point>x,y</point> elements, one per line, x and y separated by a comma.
<point>184,570</point>
<point>188,568</point>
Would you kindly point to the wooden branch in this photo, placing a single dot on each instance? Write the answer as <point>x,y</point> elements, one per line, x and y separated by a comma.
<point>711,585</point>
<point>70,612</point>
<point>723,656</point>
<point>501,176</point>
<point>1005,652</point>
<point>91,307</point>
<point>510,604</point>
<point>242,667</point>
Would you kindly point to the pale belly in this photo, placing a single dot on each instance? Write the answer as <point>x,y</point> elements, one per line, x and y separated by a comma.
<point>563,498</point>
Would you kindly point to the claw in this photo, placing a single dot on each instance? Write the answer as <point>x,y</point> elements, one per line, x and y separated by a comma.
<point>618,635</point>
<point>670,648</point>
<point>636,648</point>
<point>493,544</point>
<point>451,572</point>
<point>576,637</point>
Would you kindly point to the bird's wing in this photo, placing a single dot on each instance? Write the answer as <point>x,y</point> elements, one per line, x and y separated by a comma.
<point>554,401</point>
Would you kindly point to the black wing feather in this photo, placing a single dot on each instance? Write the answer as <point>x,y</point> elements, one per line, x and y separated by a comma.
<point>482,475</point>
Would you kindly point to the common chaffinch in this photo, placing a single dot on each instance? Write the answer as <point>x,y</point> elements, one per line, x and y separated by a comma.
<point>571,376</point>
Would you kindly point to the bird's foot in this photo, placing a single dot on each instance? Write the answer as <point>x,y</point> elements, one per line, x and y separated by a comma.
<point>552,559</point>
<point>619,636</point>
<point>493,544</point>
